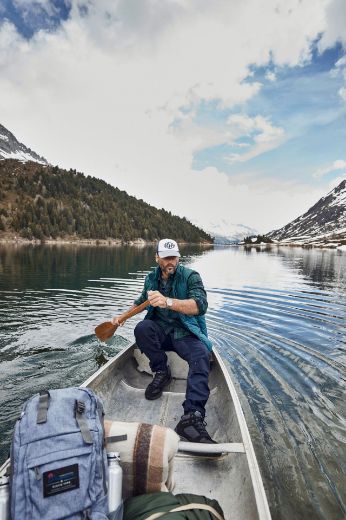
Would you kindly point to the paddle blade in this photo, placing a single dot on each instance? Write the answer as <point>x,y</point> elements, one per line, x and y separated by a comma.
<point>105,330</point>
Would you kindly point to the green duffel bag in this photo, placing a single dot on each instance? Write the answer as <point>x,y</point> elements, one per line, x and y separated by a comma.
<point>167,506</point>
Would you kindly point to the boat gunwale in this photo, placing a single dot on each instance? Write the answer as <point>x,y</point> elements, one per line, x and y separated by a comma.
<point>256,478</point>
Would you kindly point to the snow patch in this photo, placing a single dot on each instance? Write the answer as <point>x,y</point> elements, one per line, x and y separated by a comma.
<point>20,156</point>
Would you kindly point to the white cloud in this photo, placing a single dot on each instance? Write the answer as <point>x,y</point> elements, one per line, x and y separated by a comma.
<point>339,70</point>
<point>342,93</point>
<point>102,92</point>
<point>265,136</point>
<point>336,165</point>
<point>11,45</point>
<point>335,26</point>
<point>270,76</point>
<point>341,62</point>
<point>335,32</point>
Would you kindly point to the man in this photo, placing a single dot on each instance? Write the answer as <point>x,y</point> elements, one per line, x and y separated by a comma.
<point>175,321</point>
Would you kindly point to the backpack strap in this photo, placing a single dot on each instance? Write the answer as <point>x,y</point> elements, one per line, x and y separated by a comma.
<point>43,405</point>
<point>116,438</point>
<point>186,507</point>
<point>82,422</point>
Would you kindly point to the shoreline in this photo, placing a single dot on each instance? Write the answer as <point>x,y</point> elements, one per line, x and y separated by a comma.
<point>90,242</point>
<point>96,242</point>
<point>304,245</point>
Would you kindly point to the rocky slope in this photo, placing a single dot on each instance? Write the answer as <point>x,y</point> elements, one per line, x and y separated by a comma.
<point>323,224</point>
<point>10,148</point>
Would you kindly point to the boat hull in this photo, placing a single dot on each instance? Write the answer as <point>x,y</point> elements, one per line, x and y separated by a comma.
<point>231,477</point>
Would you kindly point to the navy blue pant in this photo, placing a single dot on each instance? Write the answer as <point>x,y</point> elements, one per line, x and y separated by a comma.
<point>152,340</point>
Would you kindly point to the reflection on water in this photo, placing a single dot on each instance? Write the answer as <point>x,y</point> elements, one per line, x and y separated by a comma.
<point>41,267</point>
<point>276,315</point>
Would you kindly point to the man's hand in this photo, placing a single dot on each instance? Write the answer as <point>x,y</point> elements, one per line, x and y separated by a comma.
<point>157,299</point>
<point>115,321</point>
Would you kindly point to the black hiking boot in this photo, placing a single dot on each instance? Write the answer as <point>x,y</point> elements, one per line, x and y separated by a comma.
<point>155,388</point>
<point>191,428</point>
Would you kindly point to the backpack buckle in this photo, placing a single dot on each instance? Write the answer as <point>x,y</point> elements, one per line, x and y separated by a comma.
<point>82,421</point>
<point>79,407</point>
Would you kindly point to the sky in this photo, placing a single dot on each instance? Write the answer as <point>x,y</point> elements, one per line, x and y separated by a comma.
<point>224,111</point>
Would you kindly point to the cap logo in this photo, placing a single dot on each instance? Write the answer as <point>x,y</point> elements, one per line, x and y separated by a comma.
<point>169,245</point>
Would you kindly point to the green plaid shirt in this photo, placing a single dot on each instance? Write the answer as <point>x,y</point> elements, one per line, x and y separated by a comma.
<point>168,319</point>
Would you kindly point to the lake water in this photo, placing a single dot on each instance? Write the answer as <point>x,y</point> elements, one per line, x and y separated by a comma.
<point>277,317</point>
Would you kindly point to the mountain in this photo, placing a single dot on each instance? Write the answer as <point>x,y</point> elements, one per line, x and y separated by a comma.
<point>225,232</point>
<point>323,223</point>
<point>233,233</point>
<point>44,202</point>
<point>10,148</point>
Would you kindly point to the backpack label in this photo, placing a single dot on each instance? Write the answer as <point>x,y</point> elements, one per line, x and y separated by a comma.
<point>60,480</point>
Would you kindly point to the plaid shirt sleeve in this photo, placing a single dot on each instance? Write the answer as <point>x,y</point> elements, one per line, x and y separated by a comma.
<point>196,291</point>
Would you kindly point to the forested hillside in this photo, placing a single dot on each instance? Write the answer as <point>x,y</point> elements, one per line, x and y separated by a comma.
<point>42,202</point>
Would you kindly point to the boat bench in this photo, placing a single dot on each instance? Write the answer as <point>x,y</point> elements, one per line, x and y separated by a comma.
<point>198,447</point>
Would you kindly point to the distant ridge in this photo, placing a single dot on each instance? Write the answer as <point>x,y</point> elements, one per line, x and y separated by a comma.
<point>324,221</point>
<point>44,202</point>
<point>10,148</point>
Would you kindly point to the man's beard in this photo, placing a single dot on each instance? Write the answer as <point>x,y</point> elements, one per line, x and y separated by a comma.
<point>169,269</point>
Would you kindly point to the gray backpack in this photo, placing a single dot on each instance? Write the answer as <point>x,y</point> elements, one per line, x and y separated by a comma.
<point>58,458</point>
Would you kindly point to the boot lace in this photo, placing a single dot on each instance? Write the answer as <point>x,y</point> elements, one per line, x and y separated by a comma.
<point>158,378</point>
<point>200,425</point>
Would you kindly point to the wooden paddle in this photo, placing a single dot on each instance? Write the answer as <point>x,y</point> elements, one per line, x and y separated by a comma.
<point>106,330</point>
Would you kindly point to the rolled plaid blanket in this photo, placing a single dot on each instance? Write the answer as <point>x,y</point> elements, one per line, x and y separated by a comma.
<point>147,455</point>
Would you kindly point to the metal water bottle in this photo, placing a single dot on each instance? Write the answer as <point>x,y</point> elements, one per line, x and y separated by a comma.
<point>115,481</point>
<point>4,498</point>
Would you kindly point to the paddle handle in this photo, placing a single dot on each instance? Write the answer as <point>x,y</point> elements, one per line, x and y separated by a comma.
<point>133,312</point>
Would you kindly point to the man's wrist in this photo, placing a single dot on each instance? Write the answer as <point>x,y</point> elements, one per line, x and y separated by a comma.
<point>169,303</point>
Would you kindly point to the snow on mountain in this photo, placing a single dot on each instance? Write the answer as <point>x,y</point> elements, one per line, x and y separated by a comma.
<point>226,232</point>
<point>324,221</point>
<point>10,148</point>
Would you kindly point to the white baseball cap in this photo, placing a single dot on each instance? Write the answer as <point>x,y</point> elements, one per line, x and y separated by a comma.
<point>167,247</point>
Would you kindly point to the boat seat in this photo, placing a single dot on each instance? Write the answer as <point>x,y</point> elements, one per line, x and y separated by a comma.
<point>179,367</point>
<point>147,454</point>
